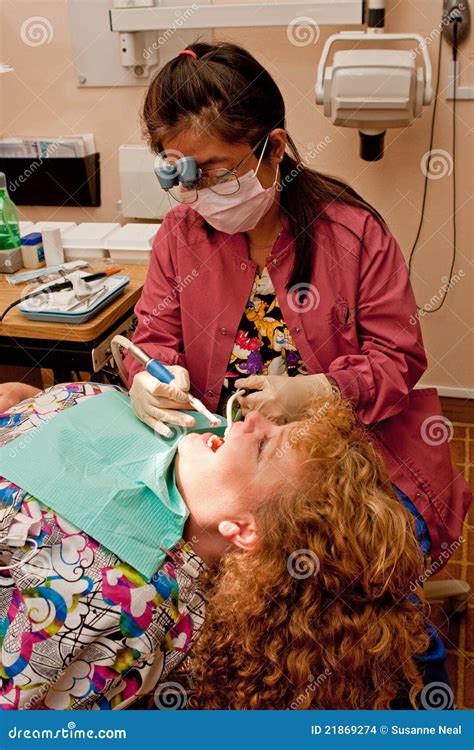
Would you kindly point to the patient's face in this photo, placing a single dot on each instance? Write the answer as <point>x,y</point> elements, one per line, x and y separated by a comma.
<point>253,462</point>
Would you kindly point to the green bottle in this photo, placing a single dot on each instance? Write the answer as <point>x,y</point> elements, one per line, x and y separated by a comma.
<point>10,241</point>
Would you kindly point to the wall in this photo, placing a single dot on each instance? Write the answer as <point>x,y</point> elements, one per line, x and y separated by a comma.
<point>41,98</point>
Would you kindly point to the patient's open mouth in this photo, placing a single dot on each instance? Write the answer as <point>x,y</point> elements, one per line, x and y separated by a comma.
<point>214,442</point>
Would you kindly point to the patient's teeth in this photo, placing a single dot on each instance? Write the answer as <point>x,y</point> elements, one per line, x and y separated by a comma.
<point>214,442</point>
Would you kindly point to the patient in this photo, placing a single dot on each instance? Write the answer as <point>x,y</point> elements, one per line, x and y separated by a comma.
<point>296,538</point>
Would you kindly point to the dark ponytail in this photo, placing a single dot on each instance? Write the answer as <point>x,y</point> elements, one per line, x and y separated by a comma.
<point>227,93</point>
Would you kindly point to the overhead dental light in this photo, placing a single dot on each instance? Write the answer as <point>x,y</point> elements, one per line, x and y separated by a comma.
<point>374,89</point>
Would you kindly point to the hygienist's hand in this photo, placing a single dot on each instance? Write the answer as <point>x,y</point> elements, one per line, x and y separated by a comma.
<point>279,397</point>
<point>156,403</point>
<point>12,393</point>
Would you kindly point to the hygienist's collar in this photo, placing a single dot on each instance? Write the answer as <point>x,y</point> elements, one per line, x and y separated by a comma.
<point>284,242</point>
<point>237,243</point>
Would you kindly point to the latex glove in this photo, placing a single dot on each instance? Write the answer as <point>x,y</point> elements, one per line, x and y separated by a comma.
<point>279,397</point>
<point>12,393</point>
<point>156,403</point>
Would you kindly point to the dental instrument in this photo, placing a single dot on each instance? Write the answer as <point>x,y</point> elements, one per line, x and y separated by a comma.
<point>228,410</point>
<point>40,274</point>
<point>102,274</point>
<point>184,172</point>
<point>60,286</point>
<point>86,299</point>
<point>215,441</point>
<point>82,293</point>
<point>155,368</point>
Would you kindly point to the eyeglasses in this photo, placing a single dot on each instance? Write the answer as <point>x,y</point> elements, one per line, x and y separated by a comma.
<point>221,181</point>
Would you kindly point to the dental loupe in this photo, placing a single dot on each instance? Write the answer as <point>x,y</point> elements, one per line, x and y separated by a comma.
<point>184,172</point>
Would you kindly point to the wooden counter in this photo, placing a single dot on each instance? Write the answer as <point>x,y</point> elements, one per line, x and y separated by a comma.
<point>65,346</point>
<point>17,325</point>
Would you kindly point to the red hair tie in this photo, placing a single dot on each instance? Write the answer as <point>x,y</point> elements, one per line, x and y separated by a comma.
<point>188,52</point>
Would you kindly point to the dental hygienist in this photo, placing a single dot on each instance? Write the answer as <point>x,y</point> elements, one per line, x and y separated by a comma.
<point>270,276</point>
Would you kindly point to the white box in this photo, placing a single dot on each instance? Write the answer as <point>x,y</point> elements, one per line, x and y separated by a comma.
<point>140,192</point>
<point>86,241</point>
<point>63,226</point>
<point>26,227</point>
<point>132,243</point>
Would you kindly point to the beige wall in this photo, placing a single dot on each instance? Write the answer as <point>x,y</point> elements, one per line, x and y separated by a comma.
<point>41,98</point>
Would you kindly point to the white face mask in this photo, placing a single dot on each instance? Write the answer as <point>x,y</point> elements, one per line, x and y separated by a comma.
<point>240,211</point>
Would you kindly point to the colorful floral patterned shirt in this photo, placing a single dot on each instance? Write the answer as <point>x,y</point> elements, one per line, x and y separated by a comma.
<point>263,344</point>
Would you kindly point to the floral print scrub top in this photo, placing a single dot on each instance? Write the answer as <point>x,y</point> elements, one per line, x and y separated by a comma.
<point>263,344</point>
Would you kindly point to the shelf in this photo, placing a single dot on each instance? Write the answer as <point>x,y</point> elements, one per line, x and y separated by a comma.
<point>233,15</point>
<point>53,181</point>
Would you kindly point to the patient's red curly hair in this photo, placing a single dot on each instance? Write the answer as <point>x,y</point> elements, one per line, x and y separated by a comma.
<point>320,615</point>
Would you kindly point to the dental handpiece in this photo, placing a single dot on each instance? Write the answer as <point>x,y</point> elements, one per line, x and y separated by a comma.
<point>161,373</point>
<point>228,411</point>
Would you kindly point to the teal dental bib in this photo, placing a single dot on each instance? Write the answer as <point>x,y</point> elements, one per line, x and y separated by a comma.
<point>107,473</point>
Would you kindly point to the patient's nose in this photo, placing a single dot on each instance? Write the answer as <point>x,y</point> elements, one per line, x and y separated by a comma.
<point>254,421</point>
